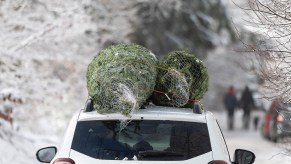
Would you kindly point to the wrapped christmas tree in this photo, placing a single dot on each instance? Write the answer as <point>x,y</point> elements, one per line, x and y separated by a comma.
<point>121,78</point>
<point>182,77</point>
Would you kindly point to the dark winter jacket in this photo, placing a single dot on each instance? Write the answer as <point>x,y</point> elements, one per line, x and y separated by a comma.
<point>247,101</point>
<point>230,101</point>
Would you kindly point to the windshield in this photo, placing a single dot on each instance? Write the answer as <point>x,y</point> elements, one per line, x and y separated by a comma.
<point>141,140</point>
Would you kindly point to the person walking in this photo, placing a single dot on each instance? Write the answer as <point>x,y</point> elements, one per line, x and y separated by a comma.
<point>247,104</point>
<point>230,103</point>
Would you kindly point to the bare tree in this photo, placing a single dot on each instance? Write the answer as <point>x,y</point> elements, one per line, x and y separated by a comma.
<point>271,20</point>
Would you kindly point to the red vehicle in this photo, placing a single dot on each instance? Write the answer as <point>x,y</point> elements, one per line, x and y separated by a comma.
<point>275,123</point>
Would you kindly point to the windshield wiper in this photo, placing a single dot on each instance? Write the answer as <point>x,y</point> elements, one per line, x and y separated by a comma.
<point>150,154</point>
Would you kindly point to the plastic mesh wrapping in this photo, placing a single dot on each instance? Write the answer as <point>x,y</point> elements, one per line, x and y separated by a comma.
<point>117,95</point>
<point>182,76</point>
<point>117,73</point>
<point>174,84</point>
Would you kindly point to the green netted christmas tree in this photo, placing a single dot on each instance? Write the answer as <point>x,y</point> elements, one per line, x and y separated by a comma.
<point>182,76</point>
<point>121,78</point>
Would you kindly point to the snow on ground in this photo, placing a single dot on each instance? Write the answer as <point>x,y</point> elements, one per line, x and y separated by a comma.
<point>21,147</point>
<point>266,152</point>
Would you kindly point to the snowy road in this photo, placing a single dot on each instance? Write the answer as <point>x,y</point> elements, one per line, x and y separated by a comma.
<point>266,152</point>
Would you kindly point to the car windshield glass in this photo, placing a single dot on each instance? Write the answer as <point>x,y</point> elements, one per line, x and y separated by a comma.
<point>141,140</point>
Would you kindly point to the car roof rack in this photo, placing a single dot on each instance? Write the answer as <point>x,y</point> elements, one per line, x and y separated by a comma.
<point>197,108</point>
<point>89,107</point>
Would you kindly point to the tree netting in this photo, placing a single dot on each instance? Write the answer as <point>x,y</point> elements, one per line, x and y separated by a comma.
<point>117,95</point>
<point>183,77</point>
<point>123,77</point>
<point>174,86</point>
<point>115,76</point>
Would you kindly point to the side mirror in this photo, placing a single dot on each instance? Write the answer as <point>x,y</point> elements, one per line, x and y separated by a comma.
<point>244,157</point>
<point>46,154</point>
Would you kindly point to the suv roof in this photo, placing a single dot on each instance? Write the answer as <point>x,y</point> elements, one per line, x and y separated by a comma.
<point>151,112</point>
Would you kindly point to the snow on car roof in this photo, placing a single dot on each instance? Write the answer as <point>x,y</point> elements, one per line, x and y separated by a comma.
<point>151,112</point>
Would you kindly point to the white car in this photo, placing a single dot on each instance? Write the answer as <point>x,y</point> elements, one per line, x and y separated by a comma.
<point>152,135</point>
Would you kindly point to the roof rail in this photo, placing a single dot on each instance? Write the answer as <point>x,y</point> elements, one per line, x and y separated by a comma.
<point>197,108</point>
<point>89,105</point>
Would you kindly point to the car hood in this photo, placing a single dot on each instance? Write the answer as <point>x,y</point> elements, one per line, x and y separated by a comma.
<point>84,159</point>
